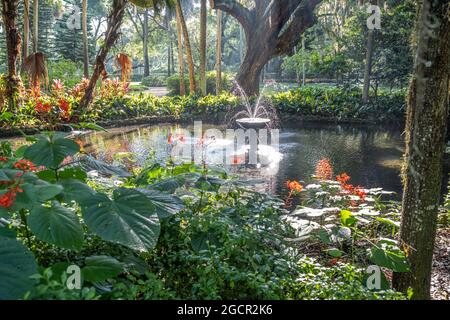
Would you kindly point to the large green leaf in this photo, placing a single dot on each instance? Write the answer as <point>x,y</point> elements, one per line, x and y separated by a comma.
<point>75,190</point>
<point>165,204</point>
<point>57,225</point>
<point>51,150</point>
<point>17,264</point>
<point>129,219</point>
<point>390,258</point>
<point>101,268</point>
<point>90,164</point>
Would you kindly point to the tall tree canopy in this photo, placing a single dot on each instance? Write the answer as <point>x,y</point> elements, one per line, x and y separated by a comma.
<point>272,28</point>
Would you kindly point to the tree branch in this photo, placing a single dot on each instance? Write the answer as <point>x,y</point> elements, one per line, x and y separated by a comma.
<point>235,9</point>
<point>302,19</point>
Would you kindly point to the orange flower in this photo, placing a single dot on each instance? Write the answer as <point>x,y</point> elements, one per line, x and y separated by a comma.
<point>25,165</point>
<point>294,186</point>
<point>324,170</point>
<point>360,192</point>
<point>343,178</point>
<point>170,139</point>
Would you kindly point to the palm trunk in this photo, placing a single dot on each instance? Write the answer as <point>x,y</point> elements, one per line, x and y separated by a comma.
<point>180,55</point>
<point>219,53</point>
<point>13,43</point>
<point>36,26</point>
<point>26,28</point>
<point>187,44</point>
<point>203,16</point>
<point>85,41</point>
<point>146,55</point>
<point>115,20</point>
<point>425,139</point>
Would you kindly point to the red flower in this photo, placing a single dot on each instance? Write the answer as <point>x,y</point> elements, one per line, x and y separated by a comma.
<point>324,170</point>
<point>64,106</point>
<point>182,139</point>
<point>25,165</point>
<point>333,262</point>
<point>43,108</point>
<point>237,160</point>
<point>4,159</point>
<point>7,200</point>
<point>294,186</point>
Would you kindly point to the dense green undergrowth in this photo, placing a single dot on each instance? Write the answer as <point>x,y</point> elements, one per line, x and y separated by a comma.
<point>113,102</point>
<point>172,231</point>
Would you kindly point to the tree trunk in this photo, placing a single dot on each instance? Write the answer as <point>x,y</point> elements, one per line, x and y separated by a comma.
<point>187,44</point>
<point>180,55</point>
<point>368,66</point>
<point>146,55</point>
<point>219,52</point>
<point>36,26</point>
<point>115,20</point>
<point>203,16</point>
<point>26,28</point>
<point>272,29</point>
<point>13,43</point>
<point>85,41</point>
<point>426,126</point>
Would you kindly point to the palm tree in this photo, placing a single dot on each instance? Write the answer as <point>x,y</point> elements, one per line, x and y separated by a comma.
<point>219,52</point>
<point>125,64</point>
<point>187,44</point>
<point>85,40</point>
<point>36,69</point>
<point>13,43</point>
<point>203,16</point>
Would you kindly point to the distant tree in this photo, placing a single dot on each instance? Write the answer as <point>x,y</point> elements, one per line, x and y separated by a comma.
<point>26,28</point>
<point>187,47</point>
<point>272,28</point>
<point>219,52</point>
<point>203,27</point>
<point>85,39</point>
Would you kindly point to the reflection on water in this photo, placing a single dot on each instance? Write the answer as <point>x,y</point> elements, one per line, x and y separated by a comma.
<point>370,155</point>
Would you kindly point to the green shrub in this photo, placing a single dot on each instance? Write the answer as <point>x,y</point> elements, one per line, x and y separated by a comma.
<point>156,80</point>
<point>69,72</point>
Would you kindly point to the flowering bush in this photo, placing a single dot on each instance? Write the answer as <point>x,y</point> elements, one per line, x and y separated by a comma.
<point>350,223</point>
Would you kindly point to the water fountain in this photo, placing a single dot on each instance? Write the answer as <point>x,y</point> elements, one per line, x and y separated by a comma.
<point>256,116</point>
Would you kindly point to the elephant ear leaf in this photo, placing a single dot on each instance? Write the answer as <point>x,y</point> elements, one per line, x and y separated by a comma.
<point>51,150</point>
<point>101,268</point>
<point>17,265</point>
<point>57,225</point>
<point>165,204</point>
<point>129,219</point>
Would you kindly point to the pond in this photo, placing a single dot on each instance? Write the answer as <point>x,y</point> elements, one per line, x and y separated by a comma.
<point>371,155</point>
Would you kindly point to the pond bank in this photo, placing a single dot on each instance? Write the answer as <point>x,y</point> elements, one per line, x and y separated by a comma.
<point>286,120</point>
